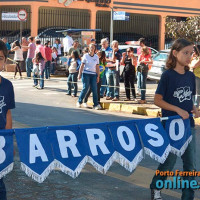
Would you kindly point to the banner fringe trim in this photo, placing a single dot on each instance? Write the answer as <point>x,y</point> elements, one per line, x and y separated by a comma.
<point>35,176</point>
<point>130,166</point>
<point>180,152</point>
<point>160,159</point>
<point>70,172</point>
<point>105,168</point>
<point>6,170</point>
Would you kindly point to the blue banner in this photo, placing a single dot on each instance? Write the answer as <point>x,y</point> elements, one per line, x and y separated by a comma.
<point>6,152</point>
<point>69,148</point>
<point>35,152</point>
<point>179,134</point>
<point>155,140</point>
<point>127,144</point>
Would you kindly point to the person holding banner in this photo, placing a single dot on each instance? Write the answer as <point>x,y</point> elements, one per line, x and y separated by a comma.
<point>7,103</point>
<point>174,96</point>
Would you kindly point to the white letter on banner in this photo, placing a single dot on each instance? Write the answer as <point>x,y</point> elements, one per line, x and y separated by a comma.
<point>63,145</point>
<point>181,129</point>
<point>131,138</point>
<point>93,143</point>
<point>151,131</point>
<point>36,149</point>
<point>2,152</point>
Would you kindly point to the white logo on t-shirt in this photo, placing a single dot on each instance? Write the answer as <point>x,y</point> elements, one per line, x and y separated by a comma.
<point>2,103</point>
<point>183,94</point>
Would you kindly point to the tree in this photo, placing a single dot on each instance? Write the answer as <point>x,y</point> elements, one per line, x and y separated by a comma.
<point>189,29</point>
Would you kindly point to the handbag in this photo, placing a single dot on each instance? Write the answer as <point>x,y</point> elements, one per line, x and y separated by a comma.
<point>143,67</point>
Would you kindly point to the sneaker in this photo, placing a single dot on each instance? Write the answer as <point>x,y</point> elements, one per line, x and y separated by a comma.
<point>85,105</point>
<point>156,194</point>
<point>98,107</point>
<point>34,85</point>
<point>40,88</point>
<point>78,105</point>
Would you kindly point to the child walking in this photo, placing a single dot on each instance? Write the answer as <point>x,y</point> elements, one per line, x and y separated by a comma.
<point>74,63</point>
<point>38,70</point>
<point>174,102</point>
<point>8,102</point>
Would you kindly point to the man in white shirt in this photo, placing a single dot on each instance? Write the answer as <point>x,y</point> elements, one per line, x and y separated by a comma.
<point>67,43</point>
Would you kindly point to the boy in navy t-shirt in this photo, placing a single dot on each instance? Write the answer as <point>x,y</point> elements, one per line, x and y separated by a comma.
<point>7,102</point>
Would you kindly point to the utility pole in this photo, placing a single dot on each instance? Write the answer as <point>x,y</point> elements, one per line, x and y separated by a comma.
<point>111,25</point>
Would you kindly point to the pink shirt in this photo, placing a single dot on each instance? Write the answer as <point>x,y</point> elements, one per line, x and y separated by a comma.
<point>40,48</point>
<point>31,50</point>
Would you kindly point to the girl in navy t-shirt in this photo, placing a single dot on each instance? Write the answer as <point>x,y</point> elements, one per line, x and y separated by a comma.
<point>7,103</point>
<point>174,96</point>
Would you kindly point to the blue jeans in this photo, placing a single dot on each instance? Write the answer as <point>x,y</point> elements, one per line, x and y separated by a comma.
<point>47,69</point>
<point>112,77</point>
<point>197,96</point>
<point>72,78</point>
<point>29,66</point>
<point>41,79</point>
<point>104,88</point>
<point>89,81</point>
<point>2,190</point>
<point>189,164</point>
<point>142,80</point>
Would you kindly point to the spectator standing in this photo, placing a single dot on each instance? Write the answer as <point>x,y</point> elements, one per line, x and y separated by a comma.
<point>7,103</point>
<point>89,71</point>
<point>129,60</point>
<point>7,44</point>
<point>74,48</point>
<point>74,63</point>
<point>112,74</point>
<point>143,62</point>
<point>108,51</point>
<point>48,56</point>
<point>40,48</point>
<point>67,43</point>
<point>54,59</point>
<point>195,66</point>
<point>18,57</point>
<point>58,46</point>
<point>25,51</point>
<point>30,55</point>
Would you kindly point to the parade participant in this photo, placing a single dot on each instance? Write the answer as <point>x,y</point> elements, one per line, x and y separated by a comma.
<point>18,57</point>
<point>172,102</point>
<point>74,63</point>
<point>129,60</point>
<point>89,71</point>
<point>7,102</point>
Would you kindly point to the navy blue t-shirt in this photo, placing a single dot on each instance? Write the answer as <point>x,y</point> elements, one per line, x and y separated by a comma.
<point>7,100</point>
<point>177,89</point>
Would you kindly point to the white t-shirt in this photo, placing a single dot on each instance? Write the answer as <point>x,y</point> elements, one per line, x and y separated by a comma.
<point>90,63</point>
<point>18,55</point>
<point>58,47</point>
<point>67,43</point>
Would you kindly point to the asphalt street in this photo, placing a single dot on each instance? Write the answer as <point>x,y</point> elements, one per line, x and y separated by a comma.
<point>52,107</point>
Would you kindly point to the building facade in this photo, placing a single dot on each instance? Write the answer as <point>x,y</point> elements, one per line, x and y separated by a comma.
<point>146,18</point>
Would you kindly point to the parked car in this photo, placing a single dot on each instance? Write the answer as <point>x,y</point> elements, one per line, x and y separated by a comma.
<point>158,66</point>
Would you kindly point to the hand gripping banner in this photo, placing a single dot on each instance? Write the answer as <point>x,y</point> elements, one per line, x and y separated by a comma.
<point>127,144</point>
<point>68,147</point>
<point>6,152</point>
<point>35,152</point>
<point>179,134</point>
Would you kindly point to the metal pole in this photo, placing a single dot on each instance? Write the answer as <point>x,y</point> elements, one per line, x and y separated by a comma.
<point>21,31</point>
<point>111,26</point>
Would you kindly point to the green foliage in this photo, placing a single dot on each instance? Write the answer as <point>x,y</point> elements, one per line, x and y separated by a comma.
<point>189,29</point>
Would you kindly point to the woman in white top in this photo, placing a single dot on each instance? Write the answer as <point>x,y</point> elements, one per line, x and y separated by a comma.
<point>89,71</point>
<point>18,57</point>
